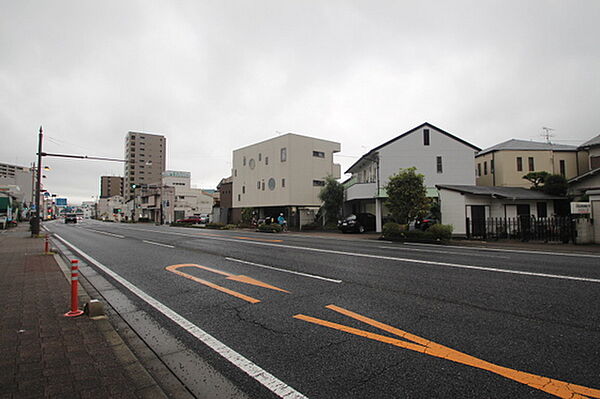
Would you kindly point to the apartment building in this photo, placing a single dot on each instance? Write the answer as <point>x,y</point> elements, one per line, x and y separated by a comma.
<point>505,164</point>
<point>111,186</point>
<point>19,179</point>
<point>188,201</point>
<point>284,174</point>
<point>145,156</point>
<point>438,155</point>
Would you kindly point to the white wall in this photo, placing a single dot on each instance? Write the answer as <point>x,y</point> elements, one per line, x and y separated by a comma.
<point>453,210</point>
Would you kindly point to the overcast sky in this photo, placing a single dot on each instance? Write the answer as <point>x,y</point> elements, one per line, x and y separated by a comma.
<point>213,76</point>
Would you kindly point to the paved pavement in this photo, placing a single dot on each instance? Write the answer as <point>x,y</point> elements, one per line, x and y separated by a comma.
<point>43,353</point>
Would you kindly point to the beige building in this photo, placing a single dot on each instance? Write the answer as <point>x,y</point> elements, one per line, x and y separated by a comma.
<point>505,164</point>
<point>20,179</point>
<point>188,201</point>
<point>284,174</point>
<point>111,186</point>
<point>145,156</point>
<point>111,208</point>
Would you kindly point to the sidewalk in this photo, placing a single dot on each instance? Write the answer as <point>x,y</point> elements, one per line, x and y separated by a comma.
<point>43,353</point>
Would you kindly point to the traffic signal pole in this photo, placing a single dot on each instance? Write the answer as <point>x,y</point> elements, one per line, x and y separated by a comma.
<point>35,226</point>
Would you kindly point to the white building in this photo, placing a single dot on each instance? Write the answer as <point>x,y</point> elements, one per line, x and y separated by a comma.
<point>440,156</point>
<point>284,174</point>
<point>111,208</point>
<point>188,201</point>
<point>20,179</point>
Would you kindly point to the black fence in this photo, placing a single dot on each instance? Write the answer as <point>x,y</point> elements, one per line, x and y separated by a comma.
<point>524,228</point>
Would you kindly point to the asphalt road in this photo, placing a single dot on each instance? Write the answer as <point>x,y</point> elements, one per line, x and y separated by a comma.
<point>283,315</point>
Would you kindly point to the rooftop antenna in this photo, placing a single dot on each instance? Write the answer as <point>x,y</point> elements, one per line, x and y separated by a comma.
<point>547,135</point>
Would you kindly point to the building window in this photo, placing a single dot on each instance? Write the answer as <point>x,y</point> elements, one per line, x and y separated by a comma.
<point>262,185</point>
<point>542,210</point>
<point>438,162</point>
<point>252,163</point>
<point>478,169</point>
<point>258,185</point>
<point>425,136</point>
<point>282,183</point>
<point>563,168</point>
<point>239,197</point>
<point>259,157</point>
<point>266,160</point>
<point>485,168</point>
<point>235,172</point>
<point>244,161</point>
<point>492,166</point>
<point>283,154</point>
<point>531,164</point>
<point>271,184</point>
<point>243,189</point>
<point>319,154</point>
<point>519,164</point>
<point>319,183</point>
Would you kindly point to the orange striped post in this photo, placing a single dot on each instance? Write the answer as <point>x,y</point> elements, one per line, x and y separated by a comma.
<point>46,245</point>
<point>74,299</point>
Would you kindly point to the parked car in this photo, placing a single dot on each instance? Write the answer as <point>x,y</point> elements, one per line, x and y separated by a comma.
<point>191,219</point>
<point>426,222</point>
<point>71,218</point>
<point>204,219</point>
<point>358,223</point>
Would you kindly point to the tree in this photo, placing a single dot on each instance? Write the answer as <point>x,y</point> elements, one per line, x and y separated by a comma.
<point>332,196</point>
<point>537,179</point>
<point>407,195</point>
<point>555,185</point>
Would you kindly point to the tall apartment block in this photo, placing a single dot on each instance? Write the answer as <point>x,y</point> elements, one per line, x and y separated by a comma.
<point>111,186</point>
<point>145,156</point>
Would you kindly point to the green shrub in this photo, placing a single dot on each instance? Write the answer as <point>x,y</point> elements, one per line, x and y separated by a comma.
<point>391,230</point>
<point>180,224</point>
<point>243,225</point>
<point>215,225</point>
<point>269,228</point>
<point>442,232</point>
<point>230,227</point>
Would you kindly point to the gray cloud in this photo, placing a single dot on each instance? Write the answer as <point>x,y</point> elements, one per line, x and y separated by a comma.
<point>215,76</point>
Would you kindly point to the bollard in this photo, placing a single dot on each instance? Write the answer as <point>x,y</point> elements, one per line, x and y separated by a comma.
<point>74,299</point>
<point>46,245</point>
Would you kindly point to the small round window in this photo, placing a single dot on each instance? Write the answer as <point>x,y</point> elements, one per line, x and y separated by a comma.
<point>252,163</point>
<point>271,184</point>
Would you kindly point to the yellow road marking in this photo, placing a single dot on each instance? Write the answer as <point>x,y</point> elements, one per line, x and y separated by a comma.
<point>229,276</point>
<point>422,345</point>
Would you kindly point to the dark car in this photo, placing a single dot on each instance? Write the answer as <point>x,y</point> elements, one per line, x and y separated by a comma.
<point>358,223</point>
<point>71,218</point>
<point>426,222</point>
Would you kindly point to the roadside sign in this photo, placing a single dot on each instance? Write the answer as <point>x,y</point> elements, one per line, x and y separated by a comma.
<point>581,208</point>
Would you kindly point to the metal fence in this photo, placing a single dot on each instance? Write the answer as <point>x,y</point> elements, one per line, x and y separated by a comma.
<point>524,228</point>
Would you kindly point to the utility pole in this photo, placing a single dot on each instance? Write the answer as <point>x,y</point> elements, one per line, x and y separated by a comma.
<point>35,226</point>
<point>547,133</point>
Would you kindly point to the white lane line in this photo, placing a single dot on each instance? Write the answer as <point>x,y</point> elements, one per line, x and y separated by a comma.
<point>285,270</point>
<point>392,258</point>
<point>158,243</point>
<point>521,251</point>
<point>265,378</point>
<point>444,252</point>
<point>105,233</point>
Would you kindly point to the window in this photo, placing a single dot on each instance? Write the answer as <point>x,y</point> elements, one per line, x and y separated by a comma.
<point>258,185</point>
<point>252,163</point>
<point>425,136</point>
<point>235,172</point>
<point>478,169</point>
<point>244,162</point>
<point>259,157</point>
<point>319,154</point>
<point>262,185</point>
<point>492,166</point>
<point>519,164</point>
<point>563,168</point>
<point>282,183</point>
<point>266,160</point>
<point>542,210</point>
<point>239,197</point>
<point>438,162</point>
<point>531,164</point>
<point>485,168</point>
<point>319,183</point>
<point>271,184</point>
<point>243,189</point>
<point>283,154</point>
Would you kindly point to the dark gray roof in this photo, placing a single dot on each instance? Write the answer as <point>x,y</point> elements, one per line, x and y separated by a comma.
<point>584,176</point>
<point>514,193</point>
<point>524,145</point>
<point>591,142</point>
<point>374,150</point>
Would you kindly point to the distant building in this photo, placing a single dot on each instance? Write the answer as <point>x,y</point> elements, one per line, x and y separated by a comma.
<point>438,155</point>
<point>188,201</point>
<point>592,146</point>
<point>110,208</point>
<point>226,201</point>
<point>505,164</point>
<point>588,181</point>
<point>285,175</point>
<point>145,156</point>
<point>111,186</point>
<point>20,179</point>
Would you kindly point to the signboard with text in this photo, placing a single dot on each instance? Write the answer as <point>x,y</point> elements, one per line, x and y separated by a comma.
<point>581,208</point>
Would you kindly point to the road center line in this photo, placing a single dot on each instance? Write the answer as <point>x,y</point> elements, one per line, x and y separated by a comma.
<point>392,258</point>
<point>285,270</point>
<point>444,252</point>
<point>158,243</point>
<point>265,378</point>
<point>105,233</point>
